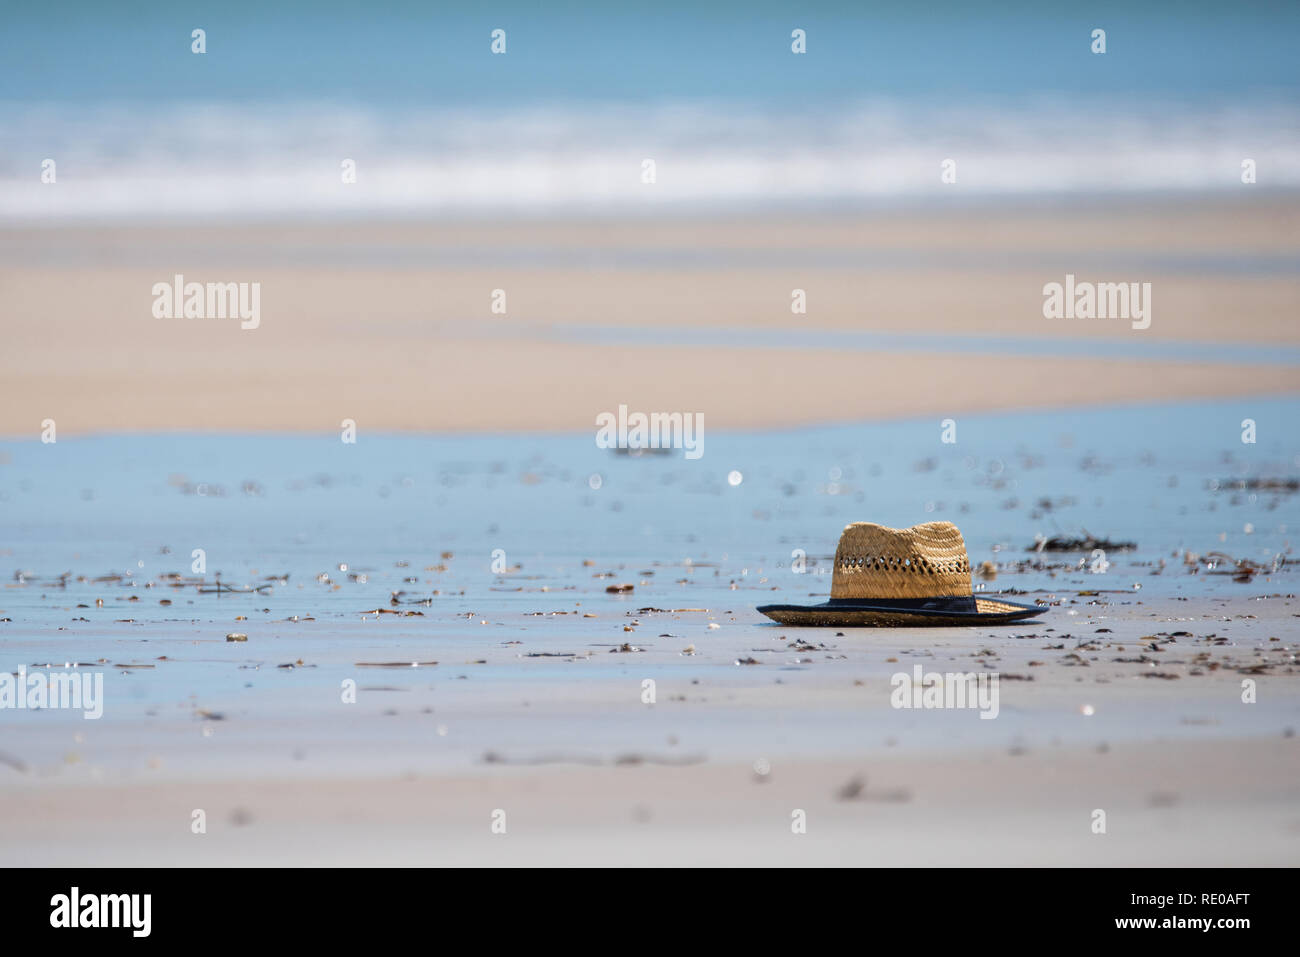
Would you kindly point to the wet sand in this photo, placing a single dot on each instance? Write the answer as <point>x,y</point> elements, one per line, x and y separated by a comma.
<point>390,324</point>
<point>712,773</point>
<point>490,386</point>
<point>1125,697</point>
<point>961,810</point>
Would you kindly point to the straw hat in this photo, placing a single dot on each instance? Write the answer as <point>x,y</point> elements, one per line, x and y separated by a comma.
<point>901,576</point>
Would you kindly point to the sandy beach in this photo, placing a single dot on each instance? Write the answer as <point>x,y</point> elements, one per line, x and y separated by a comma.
<point>391,324</point>
<point>969,811</point>
<point>487,561</point>
<point>1122,701</point>
<point>1186,774</point>
<point>405,413</point>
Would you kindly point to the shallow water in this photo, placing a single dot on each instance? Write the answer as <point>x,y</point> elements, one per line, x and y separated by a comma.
<point>301,505</point>
<point>330,531</point>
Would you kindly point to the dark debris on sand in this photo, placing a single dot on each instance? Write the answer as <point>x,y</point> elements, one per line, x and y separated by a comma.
<point>1062,543</point>
<point>1257,485</point>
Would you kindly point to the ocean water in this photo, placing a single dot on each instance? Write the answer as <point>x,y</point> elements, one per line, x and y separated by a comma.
<point>232,160</point>
<point>411,52</point>
<point>259,125</point>
<point>264,507</point>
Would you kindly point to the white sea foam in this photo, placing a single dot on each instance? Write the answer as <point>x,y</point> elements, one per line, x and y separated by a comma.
<point>271,159</point>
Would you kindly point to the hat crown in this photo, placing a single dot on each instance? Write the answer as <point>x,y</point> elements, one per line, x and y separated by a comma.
<point>924,561</point>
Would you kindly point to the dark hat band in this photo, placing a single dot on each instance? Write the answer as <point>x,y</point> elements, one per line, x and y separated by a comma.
<point>956,603</point>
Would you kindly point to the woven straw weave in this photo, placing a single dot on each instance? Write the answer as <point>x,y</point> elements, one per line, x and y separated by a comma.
<point>924,561</point>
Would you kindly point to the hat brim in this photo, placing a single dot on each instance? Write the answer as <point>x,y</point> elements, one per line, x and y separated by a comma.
<point>865,614</point>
